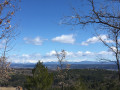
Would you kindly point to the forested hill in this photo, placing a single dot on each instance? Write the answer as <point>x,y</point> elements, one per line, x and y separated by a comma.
<point>53,66</point>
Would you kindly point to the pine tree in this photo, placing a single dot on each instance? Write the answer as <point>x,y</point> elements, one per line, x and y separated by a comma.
<point>41,79</point>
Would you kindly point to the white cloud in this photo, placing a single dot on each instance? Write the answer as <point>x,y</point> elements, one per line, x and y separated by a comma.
<point>105,53</point>
<point>96,39</point>
<point>31,58</point>
<point>65,39</point>
<point>79,53</point>
<point>50,56</point>
<point>114,49</point>
<point>89,53</point>
<point>35,41</point>
<point>25,55</point>
<point>90,40</point>
<point>25,58</point>
<point>71,54</point>
<point>51,53</point>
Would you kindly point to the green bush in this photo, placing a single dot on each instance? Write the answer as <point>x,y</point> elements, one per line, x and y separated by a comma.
<point>40,80</point>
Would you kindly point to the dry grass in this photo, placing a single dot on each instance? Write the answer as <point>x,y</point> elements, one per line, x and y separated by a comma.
<point>7,88</point>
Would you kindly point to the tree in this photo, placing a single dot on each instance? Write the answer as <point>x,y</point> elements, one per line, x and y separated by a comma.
<point>7,33</point>
<point>40,79</point>
<point>61,56</point>
<point>105,15</point>
<point>80,85</point>
<point>62,71</point>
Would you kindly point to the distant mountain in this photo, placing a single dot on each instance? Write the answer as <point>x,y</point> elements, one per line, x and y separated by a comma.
<point>74,65</point>
<point>85,62</point>
<point>22,65</point>
<point>82,62</point>
<point>91,62</point>
<point>50,62</point>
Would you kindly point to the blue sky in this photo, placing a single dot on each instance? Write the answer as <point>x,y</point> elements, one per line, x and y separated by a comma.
<point>41,34</point>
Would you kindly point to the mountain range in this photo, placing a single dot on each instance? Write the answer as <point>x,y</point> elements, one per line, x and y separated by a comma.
<point>74,65</point>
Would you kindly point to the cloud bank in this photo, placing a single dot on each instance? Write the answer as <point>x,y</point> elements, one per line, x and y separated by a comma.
<point>50,56</point>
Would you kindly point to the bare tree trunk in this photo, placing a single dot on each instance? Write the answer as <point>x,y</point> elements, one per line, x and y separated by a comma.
<point>61,56</point>
<point>118,66</point>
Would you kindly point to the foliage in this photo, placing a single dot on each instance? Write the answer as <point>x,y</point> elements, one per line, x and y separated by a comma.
<point>14,81</point>
<point>89,79</point>
<point>4,69</point>
<point>77,79</point>
<point>40,80</point>
<point>79,85</point>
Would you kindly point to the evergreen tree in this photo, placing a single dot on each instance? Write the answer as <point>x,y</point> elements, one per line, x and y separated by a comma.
<point>41,79</point>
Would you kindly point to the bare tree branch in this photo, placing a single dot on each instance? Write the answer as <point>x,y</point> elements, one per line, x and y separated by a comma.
<point>108,21</point>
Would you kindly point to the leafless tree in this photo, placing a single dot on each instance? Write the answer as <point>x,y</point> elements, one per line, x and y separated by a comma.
<point>62,74</point>
<point>105,14</point>
<point>7,33</point>
<point>61,56</point>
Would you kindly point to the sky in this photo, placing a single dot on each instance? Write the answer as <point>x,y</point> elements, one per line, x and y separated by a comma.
<point>41,34</point>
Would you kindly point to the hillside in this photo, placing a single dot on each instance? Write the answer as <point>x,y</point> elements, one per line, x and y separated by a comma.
<point>91,79</point>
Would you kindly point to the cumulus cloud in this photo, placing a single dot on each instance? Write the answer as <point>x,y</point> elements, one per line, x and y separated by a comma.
<point>87,53</point>
<point>51,53</point>
<point>79,55</point>
<point>65,39</point>
<point>35,41</point>
<point>50,56</point>
<point>25,58</point>
<point>95,39</point>
<point>70,54</point>
<point>105,53</point>
<point>31,58</point>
